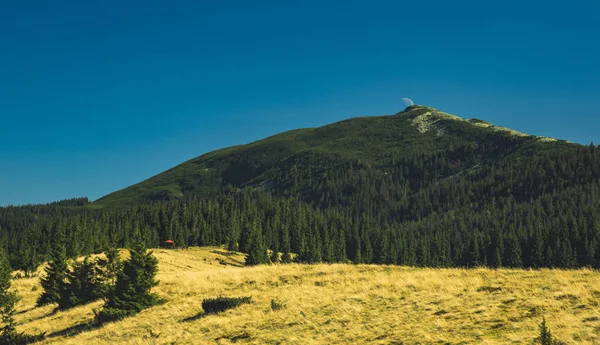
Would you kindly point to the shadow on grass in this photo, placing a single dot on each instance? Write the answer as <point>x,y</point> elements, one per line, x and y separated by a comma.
<point>223,252</point>
<point>198,316</point>
<point>24,311</point>
<point>43,316</point>
<point>75,329</point>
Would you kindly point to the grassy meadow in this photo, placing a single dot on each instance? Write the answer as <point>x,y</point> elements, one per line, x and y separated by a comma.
<point>334,304</point>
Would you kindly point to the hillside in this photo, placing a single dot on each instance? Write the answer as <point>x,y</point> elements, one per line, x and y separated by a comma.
<point>335,304</point>
<point>374,141</point>
<point>419,188</point>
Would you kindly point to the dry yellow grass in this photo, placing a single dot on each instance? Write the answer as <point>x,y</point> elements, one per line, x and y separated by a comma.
<point>337,304</point>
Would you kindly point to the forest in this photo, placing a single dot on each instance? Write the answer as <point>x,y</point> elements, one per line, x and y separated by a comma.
<point>530,208</point>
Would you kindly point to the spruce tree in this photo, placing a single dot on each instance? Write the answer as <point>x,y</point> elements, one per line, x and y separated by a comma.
<point>257,253</point>
<point>286,256</point>
<point>83,285</point>
<point>545,334</point>
<point>473,258</point>
<point>8,299</point>
<point>513,252</point>
<point>275,256</point>
<point>497,258</point>
<point>108,270</point>
<point>56,272</point>
<point>132,292</point>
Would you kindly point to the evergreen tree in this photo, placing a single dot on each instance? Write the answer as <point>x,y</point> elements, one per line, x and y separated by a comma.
<point>537,251</point>
<point>497,258</point>
<point>513,253</point>
<point>286,256</point>
<point>132,292</point>
<point>474,254</point>
<point>54,278</point>
<point>83,285</point>
<point>257,254</point>
<point>275,256</point>
<point>108,270</point>
<point>8,299</point>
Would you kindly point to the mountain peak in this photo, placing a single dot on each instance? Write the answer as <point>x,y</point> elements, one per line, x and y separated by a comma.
<point>371,140</point>
<point>428,119</point>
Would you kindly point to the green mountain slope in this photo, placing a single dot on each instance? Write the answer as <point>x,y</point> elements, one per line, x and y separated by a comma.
<point>378,142</point>
<point>419,188</point>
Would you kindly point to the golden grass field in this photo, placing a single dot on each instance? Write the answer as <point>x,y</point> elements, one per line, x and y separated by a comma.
<point>335,304</point>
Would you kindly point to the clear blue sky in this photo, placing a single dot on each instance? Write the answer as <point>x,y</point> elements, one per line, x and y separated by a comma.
<point>98,95</point>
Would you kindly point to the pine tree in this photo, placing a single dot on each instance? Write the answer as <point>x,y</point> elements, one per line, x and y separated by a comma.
<point>497,258</point>
<point>473,259</point>
<point>545,334</point>
<point>83,285</point>
<point>108,270</point>
<point>8,299</point>
<point>132,292</point>
<point>275,256</point>
<point>56,272</point>
<point>257,254</point>
<point>513,253</point>
<point>286,257</point>
<point>537,250</point>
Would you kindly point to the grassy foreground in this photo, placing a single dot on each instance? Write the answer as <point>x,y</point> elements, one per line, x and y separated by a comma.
<point>335,304</point>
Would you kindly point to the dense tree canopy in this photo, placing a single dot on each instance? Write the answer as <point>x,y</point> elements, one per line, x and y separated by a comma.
<point>468,198</point>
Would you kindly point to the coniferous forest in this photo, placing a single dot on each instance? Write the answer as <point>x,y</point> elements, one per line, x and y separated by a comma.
<point>368,190</point>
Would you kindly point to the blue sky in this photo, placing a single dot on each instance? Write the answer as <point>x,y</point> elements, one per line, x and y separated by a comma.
<point>98,95</point>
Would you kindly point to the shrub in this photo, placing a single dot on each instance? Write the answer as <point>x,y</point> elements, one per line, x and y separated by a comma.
<point>276,305</point>
<point>113,314</point>
<point>220,304</point>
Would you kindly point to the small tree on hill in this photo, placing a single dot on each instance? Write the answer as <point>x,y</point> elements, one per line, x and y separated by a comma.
<point>546,337</point>
<point>108,270</point>
<point>545,334</point>
<point>275,256</point>
<point>8,299</point>
<point>83,285</point>
<point>132,289</point>
<point>286,258</point>
<point>56,272</point>
<point>257,253</point>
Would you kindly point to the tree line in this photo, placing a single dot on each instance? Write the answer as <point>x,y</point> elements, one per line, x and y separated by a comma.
<point>444,209</point>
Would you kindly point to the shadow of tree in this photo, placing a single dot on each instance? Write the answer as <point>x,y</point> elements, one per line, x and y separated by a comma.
<point>50,313</point>
<point>75,329</point>
<point>24,311</point>
<point>195,317</point>
<point>223,252</point>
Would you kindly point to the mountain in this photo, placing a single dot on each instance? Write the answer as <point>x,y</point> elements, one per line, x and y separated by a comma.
<point>378,142</point>
<point>419,188</point>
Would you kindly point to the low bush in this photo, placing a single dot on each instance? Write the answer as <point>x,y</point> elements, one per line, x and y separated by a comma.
<point>21,339</point>
<point>113,314</point>
<point>220,304</point>
<point>276,305</point>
